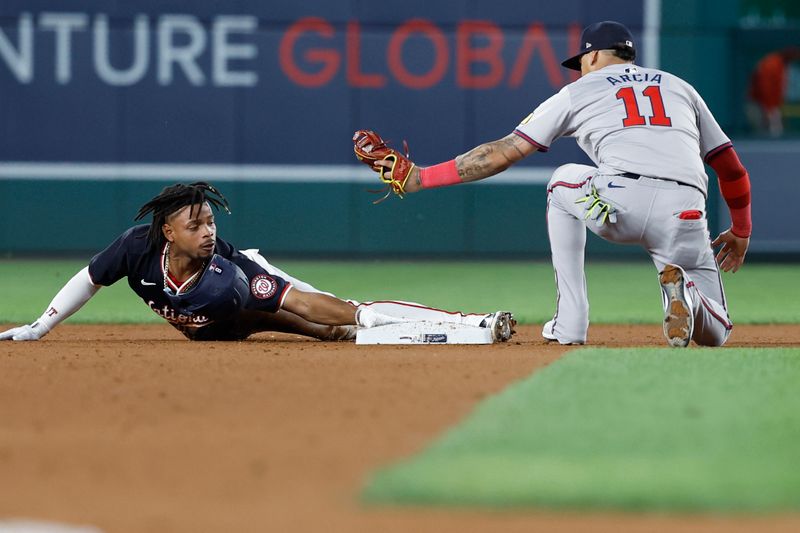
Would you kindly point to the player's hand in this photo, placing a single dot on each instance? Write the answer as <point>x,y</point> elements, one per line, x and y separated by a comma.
<point>731,256</point>
<point>32,332</point>
<point>412,184</point>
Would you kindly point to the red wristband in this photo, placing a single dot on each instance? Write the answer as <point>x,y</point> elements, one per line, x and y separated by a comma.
<point>439,175</point>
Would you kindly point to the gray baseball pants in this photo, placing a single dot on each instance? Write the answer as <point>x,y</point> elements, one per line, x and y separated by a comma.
<point>648,214</point>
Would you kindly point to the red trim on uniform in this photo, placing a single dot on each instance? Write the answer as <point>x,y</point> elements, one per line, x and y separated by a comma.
<point>715,151</point>
<point>539,146</point>
<point>568,185</point>
<point>284,294</point>
<point>709,308</point>
<point>724,322</point>
<point>176,283</point>
<point>418,306</point>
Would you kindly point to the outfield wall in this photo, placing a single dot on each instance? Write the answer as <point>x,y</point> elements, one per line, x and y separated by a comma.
<point>102,104</point>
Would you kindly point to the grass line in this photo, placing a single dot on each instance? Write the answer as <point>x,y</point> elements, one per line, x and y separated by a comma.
<point>646,429</point>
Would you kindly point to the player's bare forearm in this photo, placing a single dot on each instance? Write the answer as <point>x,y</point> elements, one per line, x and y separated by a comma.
<point>492,158</point>
<point>481,162</point>
<point>320,308</point>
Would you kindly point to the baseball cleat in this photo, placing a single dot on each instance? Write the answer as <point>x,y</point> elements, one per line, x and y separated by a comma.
<point>550,337</point>
<point>502,325</point>
<point>678,310</point>
<point>547,332</point>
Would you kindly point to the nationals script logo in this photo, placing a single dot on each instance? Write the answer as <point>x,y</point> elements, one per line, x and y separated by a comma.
<point>263,287</point>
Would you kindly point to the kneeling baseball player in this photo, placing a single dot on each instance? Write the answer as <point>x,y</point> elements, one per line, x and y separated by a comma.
<point>209,290</point>
<point>649,134</point>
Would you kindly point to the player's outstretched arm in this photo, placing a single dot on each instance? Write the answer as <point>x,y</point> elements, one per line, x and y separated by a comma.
<point>69,299</point>
<point>492,158</point>
<point>481,162</point>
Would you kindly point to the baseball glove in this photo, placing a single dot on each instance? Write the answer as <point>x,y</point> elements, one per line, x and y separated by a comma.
<point>370,147</point>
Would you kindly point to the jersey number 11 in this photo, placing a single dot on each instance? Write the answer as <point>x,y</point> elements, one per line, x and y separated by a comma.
<point>635,118</point>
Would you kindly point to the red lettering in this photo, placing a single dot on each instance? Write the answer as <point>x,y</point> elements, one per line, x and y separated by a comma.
<point>440,58</point>
<point>355,77</point>
<point>478,58</point>
<point>536,37</point>
<point>468,55</point>
<point>329,59</point>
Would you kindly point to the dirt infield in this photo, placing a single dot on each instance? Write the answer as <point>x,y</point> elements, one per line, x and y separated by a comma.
<point>134,429</point>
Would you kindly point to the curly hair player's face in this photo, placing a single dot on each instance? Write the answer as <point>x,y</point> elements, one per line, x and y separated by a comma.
<point>192,231</point>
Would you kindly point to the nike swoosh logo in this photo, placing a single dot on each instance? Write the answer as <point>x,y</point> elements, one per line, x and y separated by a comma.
<point>611,185</point>
<point>146,282</point>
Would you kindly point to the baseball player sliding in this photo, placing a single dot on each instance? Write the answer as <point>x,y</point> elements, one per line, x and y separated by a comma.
<point>209,290</point>
<point>648,133</point>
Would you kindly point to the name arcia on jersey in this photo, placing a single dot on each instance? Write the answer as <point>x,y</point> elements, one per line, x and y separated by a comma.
<point>170,315</point>
<point>628,78</point>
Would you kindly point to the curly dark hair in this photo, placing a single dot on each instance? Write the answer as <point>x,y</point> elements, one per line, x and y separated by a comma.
<point>172,199</point>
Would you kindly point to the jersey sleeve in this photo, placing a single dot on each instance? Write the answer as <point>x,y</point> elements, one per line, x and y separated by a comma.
<point>712,138</point>
<point>111,265</point>
<point>267,291</point>
<point>547,122</point>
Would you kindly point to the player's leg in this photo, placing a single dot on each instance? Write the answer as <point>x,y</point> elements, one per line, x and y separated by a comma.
<point>679,239</point>
<point>500,322</point>
<point>712,325</point>
<point>694,304</point>
<point>567,234</point>
<point>391,311</point>
<point>568,190</point>
<point>412,311</point>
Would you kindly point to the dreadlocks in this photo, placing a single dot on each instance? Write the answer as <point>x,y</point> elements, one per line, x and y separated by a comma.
<point>172,199</point>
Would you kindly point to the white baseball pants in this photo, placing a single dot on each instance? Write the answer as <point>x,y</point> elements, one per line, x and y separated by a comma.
<point>389,311</point>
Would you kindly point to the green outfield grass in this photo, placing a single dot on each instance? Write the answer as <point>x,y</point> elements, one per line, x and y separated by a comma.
<point>618,292</point>
<point>646,429</point>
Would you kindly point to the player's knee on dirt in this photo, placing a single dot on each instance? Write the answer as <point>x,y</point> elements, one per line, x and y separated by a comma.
<point>711,337</point>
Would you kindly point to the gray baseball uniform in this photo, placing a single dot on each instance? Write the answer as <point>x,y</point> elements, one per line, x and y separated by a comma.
<point>648,132</point>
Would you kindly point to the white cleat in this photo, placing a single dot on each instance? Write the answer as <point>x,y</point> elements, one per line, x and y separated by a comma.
<point>678,309</point>
<point>502,325</point>
<point>549,336</point>
<point>547,331</point>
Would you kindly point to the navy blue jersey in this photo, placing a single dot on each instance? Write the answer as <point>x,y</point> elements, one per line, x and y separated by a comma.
<point>130,256</point>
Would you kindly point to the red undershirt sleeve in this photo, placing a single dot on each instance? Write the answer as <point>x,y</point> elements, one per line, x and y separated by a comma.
<point>734,184</point>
